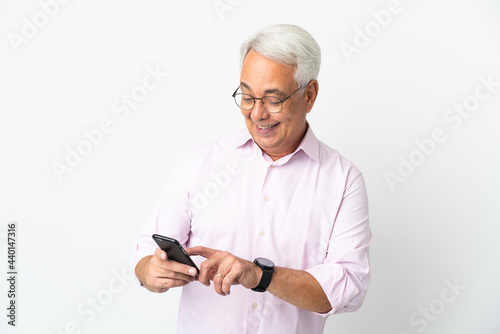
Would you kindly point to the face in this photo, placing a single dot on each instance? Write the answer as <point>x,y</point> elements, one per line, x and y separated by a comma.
<point>277,134</point>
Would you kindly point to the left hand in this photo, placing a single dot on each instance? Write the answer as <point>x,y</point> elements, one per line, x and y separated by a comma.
<point>232,270</point>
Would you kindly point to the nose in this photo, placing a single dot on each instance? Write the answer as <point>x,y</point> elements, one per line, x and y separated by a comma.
<point>258,112</point>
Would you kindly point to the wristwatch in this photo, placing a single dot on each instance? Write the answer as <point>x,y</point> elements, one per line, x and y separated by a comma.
<point>267,267</point>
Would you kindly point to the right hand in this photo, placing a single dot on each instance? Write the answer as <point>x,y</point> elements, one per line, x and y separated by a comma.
<point>158,274</point>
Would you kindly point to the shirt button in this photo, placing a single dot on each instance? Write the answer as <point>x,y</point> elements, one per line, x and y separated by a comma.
<point>272,166</point>
<point>255,305</point>
<point>267,198</point>
<point>262,233</point>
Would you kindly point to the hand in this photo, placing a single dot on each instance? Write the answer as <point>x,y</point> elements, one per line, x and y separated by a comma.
<point>232,270</point>
<point>158,274</point>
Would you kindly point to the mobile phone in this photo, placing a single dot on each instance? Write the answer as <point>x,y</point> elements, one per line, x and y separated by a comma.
<point>174,250</point>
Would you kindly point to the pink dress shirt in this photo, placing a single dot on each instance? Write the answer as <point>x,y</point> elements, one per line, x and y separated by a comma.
<point>307,211</point>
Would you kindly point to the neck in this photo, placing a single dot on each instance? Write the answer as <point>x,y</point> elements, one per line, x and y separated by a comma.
<point>278,155</point>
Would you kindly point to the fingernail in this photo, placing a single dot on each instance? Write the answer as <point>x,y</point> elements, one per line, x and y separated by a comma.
<point>192,271</point>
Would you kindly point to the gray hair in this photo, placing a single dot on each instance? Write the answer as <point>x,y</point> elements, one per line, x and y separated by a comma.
<point>288,45</point>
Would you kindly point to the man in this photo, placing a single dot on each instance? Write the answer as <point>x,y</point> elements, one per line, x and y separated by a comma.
<point>270,192</point>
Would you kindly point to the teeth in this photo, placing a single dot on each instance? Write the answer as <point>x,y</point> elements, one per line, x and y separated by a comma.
<point>267,127</point>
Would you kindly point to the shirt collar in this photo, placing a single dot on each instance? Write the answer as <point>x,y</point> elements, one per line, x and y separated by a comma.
<point>309,144</point>
<point>242,138</point>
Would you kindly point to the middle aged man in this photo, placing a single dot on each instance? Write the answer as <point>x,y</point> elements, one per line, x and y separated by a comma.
<point>271,192</point>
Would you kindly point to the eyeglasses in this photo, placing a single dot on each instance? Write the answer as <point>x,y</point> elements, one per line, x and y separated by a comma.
<point>271,104</point>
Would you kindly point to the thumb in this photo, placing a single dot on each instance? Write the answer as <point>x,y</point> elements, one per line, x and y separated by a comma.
<point>161,254</point>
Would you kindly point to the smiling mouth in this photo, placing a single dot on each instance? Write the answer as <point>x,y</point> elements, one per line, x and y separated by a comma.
<point>267,127</point>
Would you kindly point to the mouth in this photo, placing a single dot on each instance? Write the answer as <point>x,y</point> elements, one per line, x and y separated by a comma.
<point>267,127</point>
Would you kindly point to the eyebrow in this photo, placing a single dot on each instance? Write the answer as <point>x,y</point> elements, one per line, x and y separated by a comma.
<point>267,91</point>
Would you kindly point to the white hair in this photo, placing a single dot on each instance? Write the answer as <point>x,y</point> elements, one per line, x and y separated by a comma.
<point>287,44</point>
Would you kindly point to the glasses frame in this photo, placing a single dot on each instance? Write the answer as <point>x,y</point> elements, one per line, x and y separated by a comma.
<point>260,98</point>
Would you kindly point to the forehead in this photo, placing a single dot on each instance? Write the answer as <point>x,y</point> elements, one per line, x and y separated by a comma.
<point>259,72</point>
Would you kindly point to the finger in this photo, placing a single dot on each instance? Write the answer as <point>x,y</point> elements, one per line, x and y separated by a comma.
<point>158,279</point>
<point>203,251</point>
<point>226,283</point>
<point>176,266</point>
<point>179,269</point>
<point>168,274</point>
<point>208,269</point>
<point>206,273</point>
<point>161,254</point>
<point>172,269</point>
<point>231,278</point>
<point>218,279</point>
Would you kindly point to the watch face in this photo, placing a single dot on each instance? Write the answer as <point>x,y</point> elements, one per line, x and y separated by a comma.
<point>265,262</point>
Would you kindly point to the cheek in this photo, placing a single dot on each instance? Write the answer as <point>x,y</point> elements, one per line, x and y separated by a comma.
<point>296,115</point>
<point>247,115</point>
<point>286,119</point>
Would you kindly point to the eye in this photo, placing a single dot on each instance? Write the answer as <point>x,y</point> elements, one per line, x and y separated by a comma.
<point>273,101</point>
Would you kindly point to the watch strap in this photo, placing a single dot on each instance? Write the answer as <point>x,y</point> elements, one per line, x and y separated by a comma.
<point>267,275</point>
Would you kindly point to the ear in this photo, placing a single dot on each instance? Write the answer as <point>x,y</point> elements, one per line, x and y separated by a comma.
<point>311,92</point>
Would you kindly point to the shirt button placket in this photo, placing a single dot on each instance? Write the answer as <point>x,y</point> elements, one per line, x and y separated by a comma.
<point>254,317</point>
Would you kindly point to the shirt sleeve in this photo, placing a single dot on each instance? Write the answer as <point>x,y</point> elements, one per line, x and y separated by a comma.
<point>170,217</point>
<point>344,275</point>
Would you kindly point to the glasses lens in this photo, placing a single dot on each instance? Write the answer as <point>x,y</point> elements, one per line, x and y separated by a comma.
<point>244,101</point>
<point>272,104</point>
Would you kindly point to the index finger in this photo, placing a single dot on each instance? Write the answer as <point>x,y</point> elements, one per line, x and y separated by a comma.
<point>202,251</point>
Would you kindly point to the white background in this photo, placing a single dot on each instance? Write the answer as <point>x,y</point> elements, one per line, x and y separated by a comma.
<point>438,227</point>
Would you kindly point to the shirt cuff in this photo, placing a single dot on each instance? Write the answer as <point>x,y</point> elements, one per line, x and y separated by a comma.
<point>139,252</point>
<point>339,287</point>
